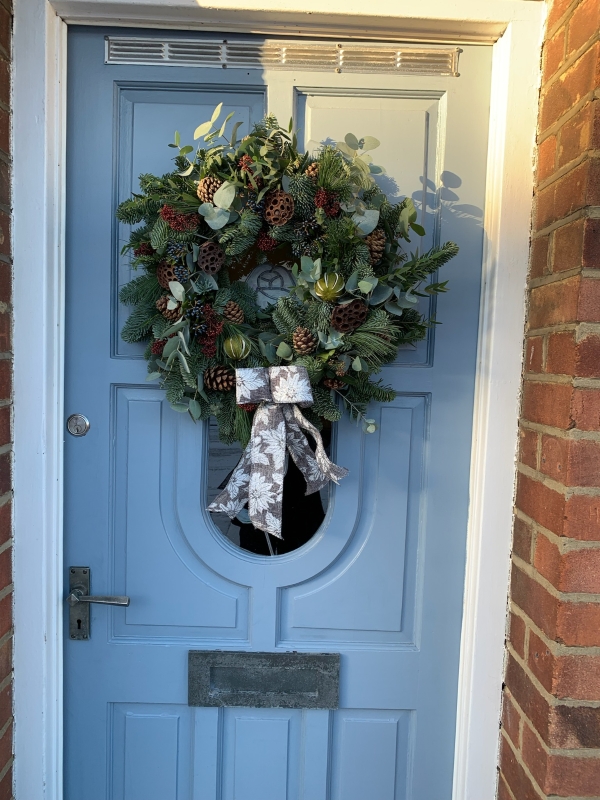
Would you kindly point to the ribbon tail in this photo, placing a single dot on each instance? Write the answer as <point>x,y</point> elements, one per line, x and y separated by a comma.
<point>301,452</point>
<point>235,495</point>
<point>267,464</point>
<point>330,470</point>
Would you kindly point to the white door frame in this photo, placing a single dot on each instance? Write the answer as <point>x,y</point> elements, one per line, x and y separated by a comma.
<point>38,236</point>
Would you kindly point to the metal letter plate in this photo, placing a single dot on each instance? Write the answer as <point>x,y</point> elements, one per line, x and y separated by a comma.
<point>79,615</point>
<point>263,680</point>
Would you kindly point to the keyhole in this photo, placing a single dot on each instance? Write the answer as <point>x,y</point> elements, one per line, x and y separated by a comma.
<point>78,624</point>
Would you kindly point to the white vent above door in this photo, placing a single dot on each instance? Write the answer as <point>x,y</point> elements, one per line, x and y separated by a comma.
<point>293,54</point>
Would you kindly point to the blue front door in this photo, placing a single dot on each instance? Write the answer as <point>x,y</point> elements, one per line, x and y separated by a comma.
<point>381,582</point>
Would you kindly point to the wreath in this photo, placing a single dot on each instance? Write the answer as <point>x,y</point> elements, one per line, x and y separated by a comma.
<point>230,206</point>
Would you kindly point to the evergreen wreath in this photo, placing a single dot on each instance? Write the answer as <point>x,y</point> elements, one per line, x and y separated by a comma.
<point>323,216</point>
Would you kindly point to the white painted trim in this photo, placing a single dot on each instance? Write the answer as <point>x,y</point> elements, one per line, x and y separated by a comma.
<point>39,184</point>
<point>38,200</point>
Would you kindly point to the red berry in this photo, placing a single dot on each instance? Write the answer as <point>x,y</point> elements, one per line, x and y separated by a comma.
<point>144,249</point>
<point>321,198</point>
<point>245,163</point>
<point>178,221</point>
<point>249,407</point>
<point>157,347</point>
<point>265,242</point>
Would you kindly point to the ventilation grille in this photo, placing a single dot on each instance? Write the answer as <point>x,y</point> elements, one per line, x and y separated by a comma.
<point>277,54</point>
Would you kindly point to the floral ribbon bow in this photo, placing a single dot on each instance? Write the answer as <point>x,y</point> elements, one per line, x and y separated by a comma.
<point>278,423</point>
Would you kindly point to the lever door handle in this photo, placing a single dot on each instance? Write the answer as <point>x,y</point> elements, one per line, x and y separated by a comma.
<point>106,600</point>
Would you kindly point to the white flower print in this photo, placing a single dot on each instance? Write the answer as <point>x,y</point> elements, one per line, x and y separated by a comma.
<point>230,508</point>
<point>237,482</point>
<point>260,493</point>
<point>248,381</point>
<point>272,524</point>
<point>273,443</point>
<point>292,387</point>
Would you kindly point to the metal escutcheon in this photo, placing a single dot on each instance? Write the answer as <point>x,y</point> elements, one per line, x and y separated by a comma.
<point>78,425</point>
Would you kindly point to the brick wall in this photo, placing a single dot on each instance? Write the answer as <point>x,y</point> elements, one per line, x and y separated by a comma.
<point>6,720</point>
<point>550,738</point>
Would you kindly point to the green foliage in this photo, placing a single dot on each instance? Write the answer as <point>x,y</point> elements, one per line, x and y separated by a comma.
<point>174,385</point>
<point>239,237</point>
<point>302,189</point>
<point>139,324</point>
<point>318,316</point>
<point>144,290</point>
<point>333,173</point>
<point>324,404</point>
<point>287,315</point>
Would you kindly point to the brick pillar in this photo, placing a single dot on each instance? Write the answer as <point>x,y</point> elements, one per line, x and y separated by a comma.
<point>6,719</point>
<point>550,738</point>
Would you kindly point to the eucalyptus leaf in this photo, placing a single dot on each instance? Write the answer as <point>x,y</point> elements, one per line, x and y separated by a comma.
<point>181,407</point>
<point>223,197</point>
<point>177,139</point>
<point>185,150</point>
<point>171,304</point>
<point>285,183</point>
<point>352,282</point>
<point>153,376</point>
<point>182,360</point>
<point>216,113</point>
<point>203,129</point>
<point>183,341</point>
<point>177,290</point>
<point>217,219</point>
<point>236,128</point>
<point>306,264</point>
<point>367,222</point>
<point>284,351</point>
<point>174,328</point>
<point>369,425</point>
<point>392,307</point>
<point>343,148</point>
<point>418,229</point>
<point>171,346</point>
<point>357,365</point>
<point>195,409</point>
<point>375,169</point>
<point>224,125</point>
<point>380,294</point>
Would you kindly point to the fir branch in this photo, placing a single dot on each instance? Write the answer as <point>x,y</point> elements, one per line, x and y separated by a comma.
<point>318,316</point>
<point>144,290</point>
<point>287,315</point>
<point>139,324</point>
<point>324,405</point>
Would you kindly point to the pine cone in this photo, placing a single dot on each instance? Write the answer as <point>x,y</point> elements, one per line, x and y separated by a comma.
<point>279,207</point>
<point>165,274</point>
<point>233,312</point>
<point>210,257</point>
<point>334,383</point>
<point>207,188</point>
<point>350,316</point>
<point>312,171</point>
<point>170,314</point>
<point>219,379</point>
<point>376,243</point>
<point>303,341</point>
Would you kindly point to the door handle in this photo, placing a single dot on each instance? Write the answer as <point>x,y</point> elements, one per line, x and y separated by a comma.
<point>104,599</point>
<point>79,599</point>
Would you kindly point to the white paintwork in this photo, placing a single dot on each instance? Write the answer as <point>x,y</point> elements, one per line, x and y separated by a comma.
<point>39,123</point>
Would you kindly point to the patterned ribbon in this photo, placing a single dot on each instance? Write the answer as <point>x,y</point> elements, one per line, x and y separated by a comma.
<point>278,424</point>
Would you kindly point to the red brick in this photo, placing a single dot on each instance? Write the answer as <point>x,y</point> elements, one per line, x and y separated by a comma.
<point>562,353</point>
<point>4,81</point>
<point>573,462</point>
<point>582,518</point>
<point>516,634</point>
<point>578,624</point>
<point>5,473</point>
<point>558,774</point>
<point>569,88</point>
<point>534,353</point>
<point>541,662</point>
<point>536,602</point>
<point>6,664</point>
<point>546,156</point>
<point>547,403</point>
<point>572,726</point>
<point>571,571</point>
<point>5,617</point>
<point>576,135</point>
<point>528,447</point>
<point>5,705</point>
<point>556,10</point>
<point>554,304</point>
<point>588,309</point>
<point>5,282</point>
<point>5,568</point>
<point>587,364</point>
<point>554,54</point>
<point>5,332</point>
<point>510,719</point>
<point>541,503</point>
<point>6,749</point>
<point>585,409</point>
<point>504,792</point>
<point>544,207</point>
<point>591,244</point>
<point>5,425</point>
<point>567,247</point>
<point>515,776</point>
<point>539,257</point>
<point>584,24</point>
<point>522,536</point>
<point>576,190</point>
<point>577,678</point>
<point>6,786</point>
<point>5,379</point>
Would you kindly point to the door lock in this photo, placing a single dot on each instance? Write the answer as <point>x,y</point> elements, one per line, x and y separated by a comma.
<point>79,600</point>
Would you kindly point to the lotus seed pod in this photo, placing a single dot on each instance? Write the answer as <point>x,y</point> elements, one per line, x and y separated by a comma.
<point>236,347</point>
<point>329,287</point>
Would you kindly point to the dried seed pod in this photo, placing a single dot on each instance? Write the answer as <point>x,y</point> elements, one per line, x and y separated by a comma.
<point>236,347</point>
<point>279,207</point>
<point>165,273</point>
<point>348,317</point>
<point>312,171</point>
<point>219,379</point>
<point>210,257</point>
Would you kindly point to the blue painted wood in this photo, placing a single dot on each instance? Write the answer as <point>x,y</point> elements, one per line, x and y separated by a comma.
<point>381,582</point>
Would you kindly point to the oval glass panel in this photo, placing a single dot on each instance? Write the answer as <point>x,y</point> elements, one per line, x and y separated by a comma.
<point>302,514</point>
